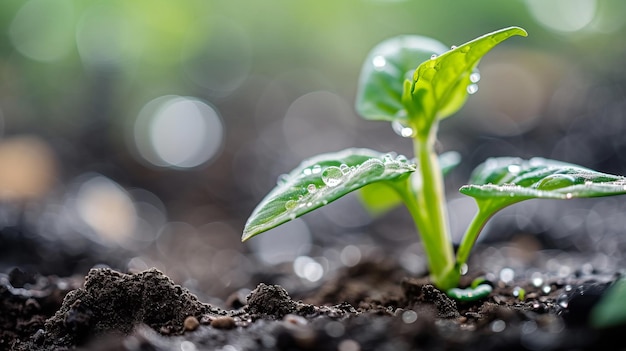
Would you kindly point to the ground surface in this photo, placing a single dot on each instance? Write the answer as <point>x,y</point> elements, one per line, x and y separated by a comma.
<point>371,306</point>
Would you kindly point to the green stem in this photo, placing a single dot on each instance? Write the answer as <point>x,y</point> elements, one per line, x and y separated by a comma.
<point>471,234</point>
<point>428,208</point>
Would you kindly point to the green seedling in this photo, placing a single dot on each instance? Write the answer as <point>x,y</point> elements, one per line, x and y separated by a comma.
<point>415,101</point>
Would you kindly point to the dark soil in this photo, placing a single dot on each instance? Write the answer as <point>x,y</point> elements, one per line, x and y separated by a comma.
<point>367,307</point>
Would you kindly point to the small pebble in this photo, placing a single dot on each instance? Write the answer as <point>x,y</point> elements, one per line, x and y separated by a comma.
<point>223,322</point>
<point>191,323</point>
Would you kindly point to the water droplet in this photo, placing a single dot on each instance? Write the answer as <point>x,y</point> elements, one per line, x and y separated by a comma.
<point>325,202</point>
<point>387,158</point>
<point>379,62</point>
<point>332,176</point>
<point>472,88</point>
<point>474,77</point>
<point>563,300</point>
<point>309,204</point>
<point>344,168</point>
<point>463,269</point>
<point>514,169</point>
<point>556,181</point>
<point>546,289</point>
<point>568,195</point>
<point>311,188</point>
<point>282,179</point>
<point>292,216</point>
<point>401,129</point>
<point>402,159</point>
<point>307,171</point>
<point>316,169</point>
<point>433,56</point>
<point>453,47</point>
<point>290,205</point>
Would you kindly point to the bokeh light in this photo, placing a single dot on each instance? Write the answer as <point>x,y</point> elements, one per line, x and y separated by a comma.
<point>178,132</point>
<point>106,208</point>
<point>43,30</point>
<point>563,15</point>
<point>28,168</point>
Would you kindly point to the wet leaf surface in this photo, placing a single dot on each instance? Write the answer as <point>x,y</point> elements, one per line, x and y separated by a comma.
<point>502,181</point>
<point>320,180</point>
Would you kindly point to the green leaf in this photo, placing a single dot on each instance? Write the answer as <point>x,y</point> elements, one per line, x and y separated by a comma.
<point>611,310</point>
<point>321,180</point>
<point>440,85</point>
<point>381,197</point>
<point>386,68</point>
<point>499,182</point>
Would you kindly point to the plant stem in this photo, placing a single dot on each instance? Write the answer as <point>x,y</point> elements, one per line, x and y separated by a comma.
<point>471,234</point>
<point>428,209</point>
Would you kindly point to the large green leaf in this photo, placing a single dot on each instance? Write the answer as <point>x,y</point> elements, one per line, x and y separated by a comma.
<point>321,180</point>
<point>440,85</point>
<point>386,68</point>
<point>499,182</point>
<point>381,197</point>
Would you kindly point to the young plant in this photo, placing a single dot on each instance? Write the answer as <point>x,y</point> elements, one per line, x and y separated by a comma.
<point>415,101</point>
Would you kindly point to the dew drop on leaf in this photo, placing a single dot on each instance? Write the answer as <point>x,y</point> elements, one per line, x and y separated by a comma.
<point>387,158</point>
<point>472,88</point>
<point>290,205</point>
<point>474,77</point>
<point>307,171</point>
<point>345,169</point>
<point>402,159</point>
<point>433,56</point>
<point>316,169</point>
<point>401,129</point>
<point>311,188</point>
<point>332,176</point>
<point>514,169</point>
<point>556,181</point>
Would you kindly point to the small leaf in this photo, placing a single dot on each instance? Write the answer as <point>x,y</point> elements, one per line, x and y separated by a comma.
<point>473,293</point>
<point>440,85</point>
<point>611,310</point>
<point>499,182</point>
<point>386,68</point>
<point>321,180</point>
<point>381,197</point>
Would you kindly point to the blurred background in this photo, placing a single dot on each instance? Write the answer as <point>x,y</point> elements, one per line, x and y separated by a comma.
<point>140,134</point>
